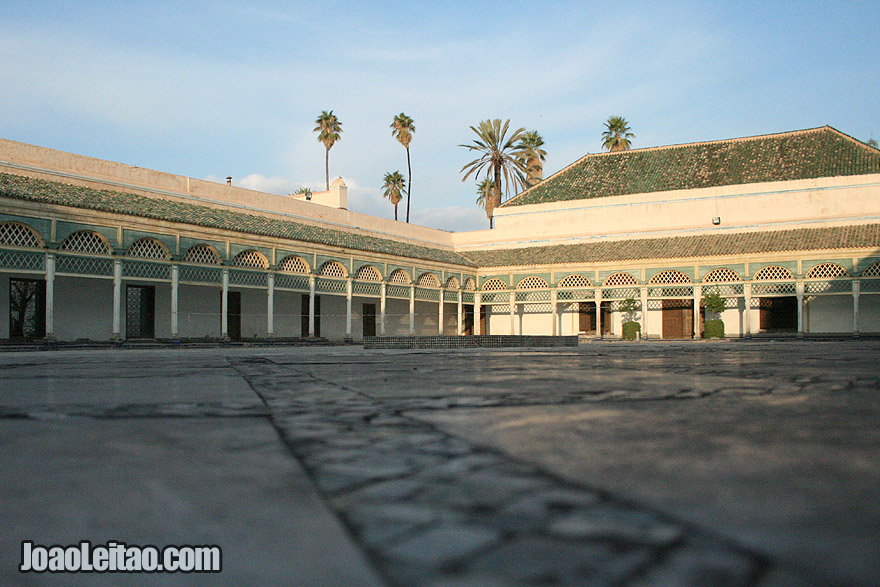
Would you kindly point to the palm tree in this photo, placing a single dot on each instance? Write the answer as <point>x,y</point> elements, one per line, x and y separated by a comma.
<point>484,189</point>
<point>500,155</point>
<point>331,130</point>
<point>533,156</point>
<point>303,191</point>
<point>617,136</point>
<point>402,129</point>
<point>395,185</point>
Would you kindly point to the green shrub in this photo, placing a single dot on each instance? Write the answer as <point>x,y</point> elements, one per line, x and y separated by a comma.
<point>631,330</point>
<point>714,329</point>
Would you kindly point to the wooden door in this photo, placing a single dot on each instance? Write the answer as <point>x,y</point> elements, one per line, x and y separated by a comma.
<point>678,319</point>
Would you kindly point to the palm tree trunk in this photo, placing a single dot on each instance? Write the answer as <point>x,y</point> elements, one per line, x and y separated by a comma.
<point>496,195</point>
<point>409,185</point>
<point>327,168</point>
<point>395,212</point>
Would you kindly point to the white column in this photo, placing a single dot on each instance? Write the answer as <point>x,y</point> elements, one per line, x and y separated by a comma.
<point>477,297</point>
<point>644,302</point>
<point>799,289</point>
<point>440,314</point>
<point>855,287</point>
<point>311,306</point>
<point>597,296</point>
<point>175,292</point>
<point>270,306</point>
<point>698,295</point>
<point>382,310</point>
<point>348,288</point>
<point>50,296</point>
<point>224,305</point>
<point>554,310</point>
<point>513,312</point>
<point>460,315</point>
<point>747,319</point>
<point>412,310</point>
<point>117,299</point>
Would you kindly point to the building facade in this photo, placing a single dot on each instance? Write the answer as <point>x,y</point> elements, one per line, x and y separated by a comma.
<point>785,227</point>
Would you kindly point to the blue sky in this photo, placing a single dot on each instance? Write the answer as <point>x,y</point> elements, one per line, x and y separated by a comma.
<point>210,89</point>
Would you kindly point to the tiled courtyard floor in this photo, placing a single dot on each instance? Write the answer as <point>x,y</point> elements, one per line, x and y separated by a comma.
<point>733,463</point>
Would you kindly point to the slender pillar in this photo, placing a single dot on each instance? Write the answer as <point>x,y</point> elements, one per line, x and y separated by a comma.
<point>513,312</point>
<point>644,302</point>
<point>224,306</point>
<point>855,288</point>
<point>799,289</point>
<point>554,310</point>
<point>175,293</point>
<point>597,296</point>
<point>270,306</point>
<point>412,310</point>
<point>348,287</point>
<point>117,299</point>
<point>311,306</point>
<point>698,295</point>
<point>747,319</point>
<point>477,314</point>
<point>460,329</point>
<point>382,310</point>
<point>440,314</point>
<point>50,296</point>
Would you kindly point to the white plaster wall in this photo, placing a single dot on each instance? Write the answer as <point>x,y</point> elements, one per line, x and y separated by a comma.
<point>332,317</point>
<point>288,314</point>
<point>535,323</point>
<point>84,308</point>
<point>828,314</point>
<point>254,305</point>
<point>396,317</point>
<point>427,318</point>
<point>198,311</point>
<point>869,313</point>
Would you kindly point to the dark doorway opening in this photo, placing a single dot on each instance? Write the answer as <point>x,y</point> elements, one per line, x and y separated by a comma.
<point>779,314</point>
<point>467,326</point>
<point>233,315</point>
<point>678,319</point>
<point>587,318</point>
<point>369,320</point>
<point>140,311</point>
<point>27,308</point>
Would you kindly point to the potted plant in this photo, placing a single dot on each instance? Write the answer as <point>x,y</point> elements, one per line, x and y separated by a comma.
<point>632,330</point>
<point>714,304</point>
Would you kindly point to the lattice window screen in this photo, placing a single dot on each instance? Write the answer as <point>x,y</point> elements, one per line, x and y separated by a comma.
<point>872,270</point>
<point>532,283</point>
<point>573,281</point>
<point>452,283</point>
<point>827,271</point>
<point>86,241</point>
<point>294,264</point>
<point>428,280</point>
<point>202,254</point>
<point>333,269</point>
<point>251,258</point>
<point>19,235</point>
<point>620,279</point>
<point>721,275</point>
<point>148,248</point>
<point>399,276</point>
<point>773,273</point>
<point>469,284</point>
<point>670,276</point>
<point>368,273</point>
<point>494,285</point>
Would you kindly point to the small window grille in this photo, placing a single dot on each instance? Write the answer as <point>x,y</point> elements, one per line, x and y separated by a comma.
<point>827,271</point>
<point>469,284</point>
<point>15,234</point>
<point>251,259</point>
<point>86,241</point>
<point>773,273</point>
<point>399,276</point>
<point>333,269</point>
<point>620,279</point>
<point>202,254</point>
<point>532,283</point>
<point>573,281</point>
<point>671,276</point>
<point>872,270</point>
<point>721,275</point>
<point>428,280</point>
<point>368,273</point>
<point>494,285</point>
<point>293,264</point>
<point>452,283</point>
<point>148,248</point>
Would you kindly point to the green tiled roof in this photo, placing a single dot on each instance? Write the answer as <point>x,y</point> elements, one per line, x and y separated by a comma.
<point>819,152</point>
<point>50,192</point>
<point>704,245</point>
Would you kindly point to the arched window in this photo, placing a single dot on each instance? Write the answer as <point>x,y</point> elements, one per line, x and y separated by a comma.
<point>333,269</point>
<point>722,275</point>
<point>872,270</point>
<point>452,283</point>
<point>148,248</point>
<point>428,280</point>
<point>532,282</point>
<point>669,277</point>
<point>399,277</point>
<point>574,281</point>
<point>827,271</point>
<point>494,285</point>
<point>86,241</point>
<point>469,284</point>
<point>251,259</point>
<point>618,279</point>
<point>203,255</point>
<point>15,234</point>
<point>368,273</point>
<point>773,273</point>
<point>293,264</point>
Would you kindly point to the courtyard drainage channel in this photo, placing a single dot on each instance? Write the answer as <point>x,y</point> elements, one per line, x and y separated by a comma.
<point>432,509</point>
